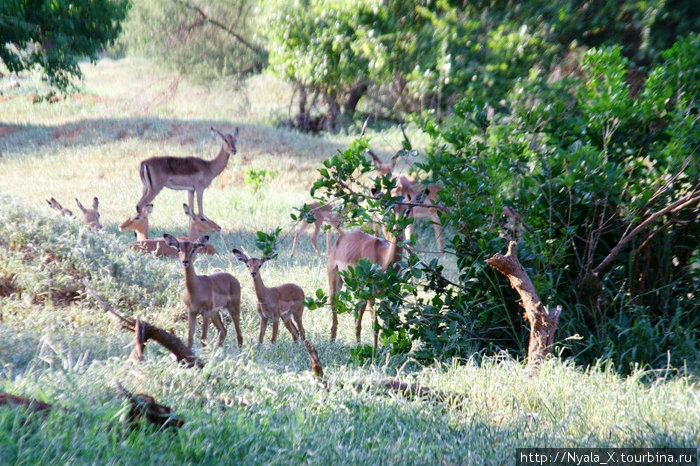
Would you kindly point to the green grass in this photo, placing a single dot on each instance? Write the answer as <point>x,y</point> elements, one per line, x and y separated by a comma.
<point>67,353</point>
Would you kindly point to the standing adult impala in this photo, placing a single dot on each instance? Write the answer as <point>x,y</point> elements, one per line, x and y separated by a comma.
<point>348,250</point>
<point>184,173</point>
<point>205,294</point>
<point>322,213</point>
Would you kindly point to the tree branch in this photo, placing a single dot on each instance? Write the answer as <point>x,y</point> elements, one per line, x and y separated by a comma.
<point>685,201</point>
<point>258,50</point>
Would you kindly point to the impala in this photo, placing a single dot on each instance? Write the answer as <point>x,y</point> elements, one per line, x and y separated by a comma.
<point>54,204</point>
<point>408,188</point>
<point>284,301</point>
<point>349,249</point>
<point>322,214</point>
<point>205,294</point>
<point>184,173</point>
<point>91,216</point>
<point>139,223</point>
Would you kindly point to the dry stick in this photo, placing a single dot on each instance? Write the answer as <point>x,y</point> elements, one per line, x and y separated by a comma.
<point>6,399</point>
<point>543,322</point>
<point>677,205</point>
<point>145,407</point>
<point>149,332</point>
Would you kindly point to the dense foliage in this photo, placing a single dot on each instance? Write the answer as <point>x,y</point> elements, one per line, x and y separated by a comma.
<point>426,54</point>
<point>53,35</point>
<point>568,168</point>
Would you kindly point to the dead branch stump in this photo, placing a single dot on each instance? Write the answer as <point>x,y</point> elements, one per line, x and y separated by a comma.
<point>543,322</point>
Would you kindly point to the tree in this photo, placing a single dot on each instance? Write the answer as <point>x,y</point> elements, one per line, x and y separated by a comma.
<point>204,39</point>
<point>55,34</point>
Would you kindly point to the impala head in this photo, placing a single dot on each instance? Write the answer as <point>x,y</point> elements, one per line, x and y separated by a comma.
<point>91,216</point>
<point>138,221</point>
<point>383,168</point>
<point>199,223</point>
<point>54,204</point>
<point>229,140</point>
<point>187,250</point>
<point>252,263</point>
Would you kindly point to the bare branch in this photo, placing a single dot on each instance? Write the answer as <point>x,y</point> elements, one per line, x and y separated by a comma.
<point>685,201</point>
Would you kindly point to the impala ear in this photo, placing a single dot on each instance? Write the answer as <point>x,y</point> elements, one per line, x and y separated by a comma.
<point>80,206</point>
<point>203,240</point>
<point>240,256</point>
<point>235,132</point>
<point>187,210</point>
<point>95,203</point>
<point>148,209</point>
<point>171,241</point>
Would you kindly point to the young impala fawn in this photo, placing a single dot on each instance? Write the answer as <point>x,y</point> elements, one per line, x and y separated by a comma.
<point>205,294</point>
<point>139,223</point>
<point>322,214</point>
<point>91,216</point>
<point>285,301</point>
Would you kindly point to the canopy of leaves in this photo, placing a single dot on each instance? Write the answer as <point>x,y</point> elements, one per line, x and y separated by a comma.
<point>55,34</point>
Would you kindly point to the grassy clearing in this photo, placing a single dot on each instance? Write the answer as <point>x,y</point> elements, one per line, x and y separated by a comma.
<point>58,346</point>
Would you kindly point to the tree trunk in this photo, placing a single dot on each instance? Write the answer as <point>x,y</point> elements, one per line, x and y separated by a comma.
<point>543,322</point>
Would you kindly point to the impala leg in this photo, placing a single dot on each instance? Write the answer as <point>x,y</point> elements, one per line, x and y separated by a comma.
<point>216,319</point>
<point>205,328</point>
<point>314,237</point>
<point>192,318</point>
<point>437,228</point>
<point>287,320</point>
<point>297,235</point>
<point>375,323</point>
<point>263,327</point>
<point>358,322</point>
<point>334,285</point>
<point>234,310</point>
<point>200,194</point>
<point>297,313</point>
<point>328,242</point>
<point>275,329</point>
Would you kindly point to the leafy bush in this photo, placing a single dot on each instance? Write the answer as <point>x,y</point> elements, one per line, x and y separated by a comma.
<point>568,170</point>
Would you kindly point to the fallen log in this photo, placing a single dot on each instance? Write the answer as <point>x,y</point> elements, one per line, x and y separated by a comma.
<point>143,331</point>
<point>145,407</point>
<point>7,399</point>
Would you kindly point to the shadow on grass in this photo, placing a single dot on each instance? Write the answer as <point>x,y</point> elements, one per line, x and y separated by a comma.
<point>15,138</point>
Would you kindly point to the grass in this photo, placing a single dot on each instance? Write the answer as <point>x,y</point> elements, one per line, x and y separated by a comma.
<point>58,346</point>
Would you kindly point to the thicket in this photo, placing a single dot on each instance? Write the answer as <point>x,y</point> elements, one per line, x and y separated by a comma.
<point>574,169</point>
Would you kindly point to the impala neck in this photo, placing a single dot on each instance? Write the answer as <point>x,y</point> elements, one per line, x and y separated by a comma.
<point>190,277</point>
<point>219,163</point>
<point>193,231</point>
<point>142,233</point>
<point>260,289</point>
<point>395,250</point>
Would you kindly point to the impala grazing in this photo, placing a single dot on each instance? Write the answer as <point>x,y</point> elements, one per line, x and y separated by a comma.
<point>91,216</point>
<point>284,301</point>
<point>139,224</point>
<point>184,173</point>
<point>322,214</point>
<point>205,294</point>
